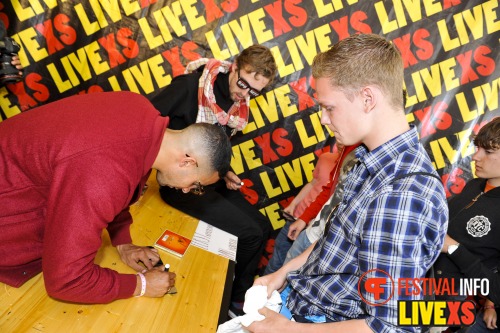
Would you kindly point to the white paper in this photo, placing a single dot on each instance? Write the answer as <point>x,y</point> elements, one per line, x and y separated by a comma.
<point>215,240</point>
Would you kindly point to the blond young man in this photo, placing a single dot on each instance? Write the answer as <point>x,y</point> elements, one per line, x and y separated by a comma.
<point>393,215</point>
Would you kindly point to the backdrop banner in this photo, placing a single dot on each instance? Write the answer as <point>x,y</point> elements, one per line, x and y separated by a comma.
<point>450,51</point>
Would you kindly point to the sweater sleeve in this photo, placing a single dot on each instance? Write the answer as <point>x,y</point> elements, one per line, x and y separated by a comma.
<point>315,206</point>
<point>471,267</point>
<point>326,191</point>
<point>83,200</point>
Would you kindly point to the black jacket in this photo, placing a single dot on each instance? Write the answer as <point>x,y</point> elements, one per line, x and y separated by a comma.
<point>179,100</point>
<point>476,226</point>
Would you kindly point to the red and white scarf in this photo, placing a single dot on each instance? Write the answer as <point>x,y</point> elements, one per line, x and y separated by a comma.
<point>208,110</point>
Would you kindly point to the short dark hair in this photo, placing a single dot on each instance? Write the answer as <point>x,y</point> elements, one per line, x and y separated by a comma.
<point>258,59</point>
<point>215,145</point>
<point>489,135</point>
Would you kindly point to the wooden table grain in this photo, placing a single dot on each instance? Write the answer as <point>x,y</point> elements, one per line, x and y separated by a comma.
<point>201,280</point>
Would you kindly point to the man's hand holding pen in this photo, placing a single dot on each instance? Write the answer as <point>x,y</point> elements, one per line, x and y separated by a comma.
<point>154,280</point>
<point>158,282</point>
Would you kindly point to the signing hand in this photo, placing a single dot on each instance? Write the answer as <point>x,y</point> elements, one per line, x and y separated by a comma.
<point>133,255</point>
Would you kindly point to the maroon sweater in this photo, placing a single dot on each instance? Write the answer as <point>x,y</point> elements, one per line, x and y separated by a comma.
<point>70,169</point>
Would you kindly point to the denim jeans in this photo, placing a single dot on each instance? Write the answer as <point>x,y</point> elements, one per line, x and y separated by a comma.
<point>300,245</point>
<point>281,246</point>
<point>285,249</point>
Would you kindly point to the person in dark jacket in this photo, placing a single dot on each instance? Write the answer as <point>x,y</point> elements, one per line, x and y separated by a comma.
<point>471,248</point>
<point>219,92</point>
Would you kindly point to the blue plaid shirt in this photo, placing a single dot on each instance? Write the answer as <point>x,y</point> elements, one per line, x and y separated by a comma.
<point>397,226</point>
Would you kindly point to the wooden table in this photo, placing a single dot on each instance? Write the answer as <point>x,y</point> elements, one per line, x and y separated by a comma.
<point>200,304</point>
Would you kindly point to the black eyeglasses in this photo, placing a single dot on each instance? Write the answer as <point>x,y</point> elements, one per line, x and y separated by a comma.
<point>198,189</point>
<point>245,85</point>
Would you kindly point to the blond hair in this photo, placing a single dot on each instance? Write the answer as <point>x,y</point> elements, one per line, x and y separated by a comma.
<point>361,60</point>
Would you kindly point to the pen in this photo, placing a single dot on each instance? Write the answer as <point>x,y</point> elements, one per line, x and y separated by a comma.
<point>167,267</point>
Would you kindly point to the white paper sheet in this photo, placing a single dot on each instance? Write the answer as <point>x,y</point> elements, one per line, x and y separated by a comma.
<point>215,240</point>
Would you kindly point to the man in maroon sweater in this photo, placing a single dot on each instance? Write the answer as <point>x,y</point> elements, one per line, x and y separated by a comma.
<point>71,168</point>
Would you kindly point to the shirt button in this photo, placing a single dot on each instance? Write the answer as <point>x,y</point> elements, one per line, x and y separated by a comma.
<point>439,272</point>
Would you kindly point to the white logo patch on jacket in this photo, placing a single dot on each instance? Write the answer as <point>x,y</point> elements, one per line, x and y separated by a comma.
<point>478,226</point>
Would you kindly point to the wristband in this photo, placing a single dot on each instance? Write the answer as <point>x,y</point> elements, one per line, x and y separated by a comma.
<point>143,284</point>
<point>488,307</point>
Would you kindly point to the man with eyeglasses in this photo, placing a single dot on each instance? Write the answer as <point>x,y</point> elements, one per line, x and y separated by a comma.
<point>71,168</point>
<point>219,92</point>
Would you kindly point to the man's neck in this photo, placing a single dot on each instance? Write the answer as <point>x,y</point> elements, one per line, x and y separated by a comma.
<point>386,128</point>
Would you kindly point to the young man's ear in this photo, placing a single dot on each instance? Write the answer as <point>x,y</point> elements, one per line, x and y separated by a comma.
<point>369,98</point>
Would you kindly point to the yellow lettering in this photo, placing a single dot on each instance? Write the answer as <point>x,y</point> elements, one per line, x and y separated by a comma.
<point>322,34</point>
<point>241,29</point>
<point>290,170</point>
<point>448,72</point>
<point>9,109</point>
<point>307,162</point>
<point>469,23</point>
<point>194,18</point>
<point>89,27</point>
<point>113,82</point>
<point>129,79</point>
<point>65,61</point>
<point>322,9</point>
<point>262,33</point>
<point>271,191</point>
<point>287,107</point>
<point>130,6</point>
<point>172,17</point>
<point>248,154</point>
<point>485,95</point>
<point>426,311</point>
<point>62,85</point>
<point>98,65</point>
<point>432,7</point>
<point>383,17</point>
<point>446,40</point>
<point>294,173</point>
<point>283,69</point>
<point>272,212</point>
<point>268,106</point>
<point>490,13</point>
<point>403,320</point>
<point>110,7</point>
<point>29,40</point>
<point>414,313</point>
<point>154,41</point>
<point>161,77</point>
<point>439,318</point>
